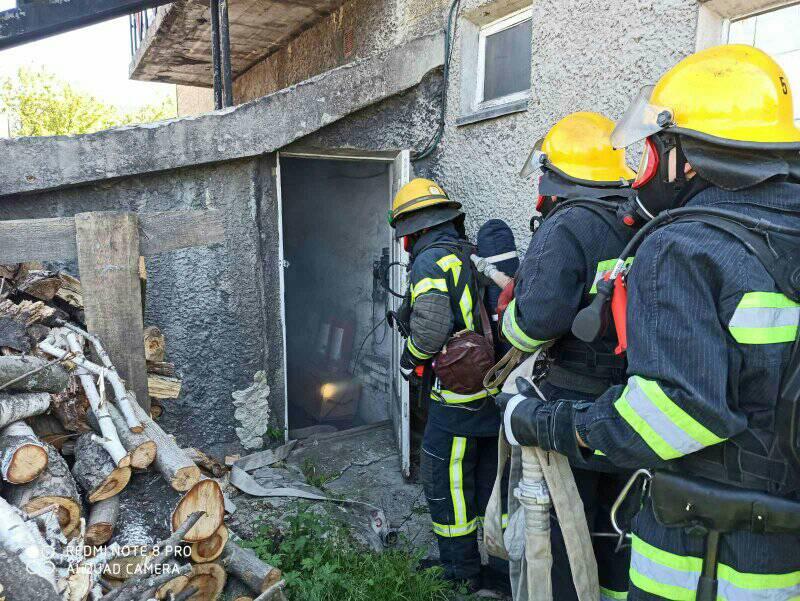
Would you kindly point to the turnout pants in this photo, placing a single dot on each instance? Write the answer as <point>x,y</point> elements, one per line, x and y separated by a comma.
<point>458,473</point>
<point>666,563</point>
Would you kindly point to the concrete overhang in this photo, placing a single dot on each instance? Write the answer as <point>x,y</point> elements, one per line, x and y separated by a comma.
<point>177,45</point>
<point>258,127</point>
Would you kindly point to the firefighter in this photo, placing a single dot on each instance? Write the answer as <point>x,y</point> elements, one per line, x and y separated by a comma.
<point>583,183</point>
<point>713,302</point>
<point>459,448</point>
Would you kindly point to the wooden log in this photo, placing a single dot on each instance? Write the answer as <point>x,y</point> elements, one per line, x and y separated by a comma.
<point>174,464</point>
<point>209,549</point>
<point>48,429</point>
<point>22,456</point>
<point>209,579</point>
<point>174,586</point>
<point>103,517</point>
<point>14,334</point>
<point>32,312</point>
<point>155,348</point>
<point>71,291</point>
<point>162,387</point>
<point>14,407</point>
<point>40,284</point>
<point>161,368</point>
<point>25,572</point>
<point>210,464</point>
<point>72,409</point>
<point>95,470</point>
<point>48,378</point>
<point>244,563</point>
<point>141,450</point>
<point>108,259</point>
<point>55,486</point>
<point>205,496</point>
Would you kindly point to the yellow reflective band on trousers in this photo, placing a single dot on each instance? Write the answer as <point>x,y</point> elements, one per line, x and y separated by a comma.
<point>426,285</point>
<point>448,263</point>
<point>415,351</point>
<point>765,318</point>
<point>606,594</point>
<point>453,398</point>
<point>605,268</point>
<point>666,428</point>
<point>466,309</point>
<point>461,525</point>
<point>672,576</point>
<point>514,333</point>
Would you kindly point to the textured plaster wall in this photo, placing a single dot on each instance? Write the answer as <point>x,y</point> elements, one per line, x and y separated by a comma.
<point>193,100</point>
<point>587,55</point>
<point>220,325</point>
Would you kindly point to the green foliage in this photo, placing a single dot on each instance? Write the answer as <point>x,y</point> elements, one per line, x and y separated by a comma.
<point>321,562</point>
<point>275,434</point>
<point>39,104</point>
<point>314,475</point>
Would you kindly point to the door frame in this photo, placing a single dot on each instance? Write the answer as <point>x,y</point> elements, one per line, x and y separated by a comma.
<point>400,171</point>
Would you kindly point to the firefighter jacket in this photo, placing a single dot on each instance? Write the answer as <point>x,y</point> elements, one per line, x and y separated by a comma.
<point>573,249</point>
<point>436,315</point>
<point>709,336</point>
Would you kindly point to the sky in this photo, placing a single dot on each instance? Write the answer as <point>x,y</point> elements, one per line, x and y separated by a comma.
<point>94,59</point>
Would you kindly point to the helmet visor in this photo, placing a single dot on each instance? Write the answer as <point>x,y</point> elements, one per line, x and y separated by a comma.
<point>534,161</point>
<point>639,121</point>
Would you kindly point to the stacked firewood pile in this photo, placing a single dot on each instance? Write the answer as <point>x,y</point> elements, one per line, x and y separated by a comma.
<point>97,501</point>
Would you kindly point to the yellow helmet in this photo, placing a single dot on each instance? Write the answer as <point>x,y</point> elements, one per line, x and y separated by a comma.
<point>732,95</point>
<point>418,194</point>
<point>579,148</point>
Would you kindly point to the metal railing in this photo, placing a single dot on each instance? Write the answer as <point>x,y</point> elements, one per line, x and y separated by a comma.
<point>140,22</point>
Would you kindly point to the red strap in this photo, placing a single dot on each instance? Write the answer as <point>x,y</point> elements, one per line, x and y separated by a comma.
<point>619,310</point>
<point>419,370</point>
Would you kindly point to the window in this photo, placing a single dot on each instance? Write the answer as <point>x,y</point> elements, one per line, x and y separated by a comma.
<point>504,60</point>
<point>776,32</point>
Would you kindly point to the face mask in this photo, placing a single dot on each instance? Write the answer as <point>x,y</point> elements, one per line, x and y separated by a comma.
<point>661,178</point>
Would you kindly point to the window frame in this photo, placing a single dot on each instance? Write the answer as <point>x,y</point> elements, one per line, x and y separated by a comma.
<point>501,24</point>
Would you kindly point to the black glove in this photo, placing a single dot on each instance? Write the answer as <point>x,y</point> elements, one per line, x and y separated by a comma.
<point>408,368</point>
<point>549,425</point>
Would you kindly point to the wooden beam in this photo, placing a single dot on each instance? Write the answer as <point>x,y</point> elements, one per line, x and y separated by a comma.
<point>108,259</point>
<point>24,240</point>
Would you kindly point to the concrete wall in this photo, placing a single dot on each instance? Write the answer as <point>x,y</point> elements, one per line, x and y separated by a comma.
<point>193,100</point>
<point>220,324</point>
<point>587,55</point>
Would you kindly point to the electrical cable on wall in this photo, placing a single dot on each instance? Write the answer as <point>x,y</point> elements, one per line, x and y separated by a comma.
<point>449,36</point>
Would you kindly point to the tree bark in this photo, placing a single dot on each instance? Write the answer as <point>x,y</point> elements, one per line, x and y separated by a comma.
<point>96,471</point>
<point>210,464</point>
<point>205,496</point>
<point>14,407</point>
<point>208,550</point>
<point>256,574</point>
<point>41,284</point>
<point>174,464</point>
<point>53,378</point>
<point>209,578</point>
<point>48,429</point>
<point>155,348</point>
<point>55,486</point>
<point>22,456</point>
<point>141,450</point>
<point>161,368</point>
<point>71,407</point>
<point>103,517</point>
<point>25,572</point>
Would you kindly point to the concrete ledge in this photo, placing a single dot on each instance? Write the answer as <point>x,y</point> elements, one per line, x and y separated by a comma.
<point>517,106</point>
<point>261,126</point>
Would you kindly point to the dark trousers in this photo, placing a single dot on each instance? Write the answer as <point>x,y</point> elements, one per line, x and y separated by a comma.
<point>598,490</point>
<point>458,473</point>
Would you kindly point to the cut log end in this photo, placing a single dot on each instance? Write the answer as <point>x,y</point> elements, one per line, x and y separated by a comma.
<point>209,579</point>
<point>99,534</point>
<point>185,478</point>
<point>69,512</point>
<point>174,586</point>
<point>27,462</point>
<point>205,496</point>
<point>112,485</point>
<point>142,456</point>
<point>211,548</point>
<point>137,429</point>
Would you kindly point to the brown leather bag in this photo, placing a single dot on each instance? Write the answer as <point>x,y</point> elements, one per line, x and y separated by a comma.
<point>466,358</point>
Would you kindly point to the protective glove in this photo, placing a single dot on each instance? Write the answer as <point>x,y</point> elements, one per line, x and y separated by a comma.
<point>550,425</point>
<point>408,368</point>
